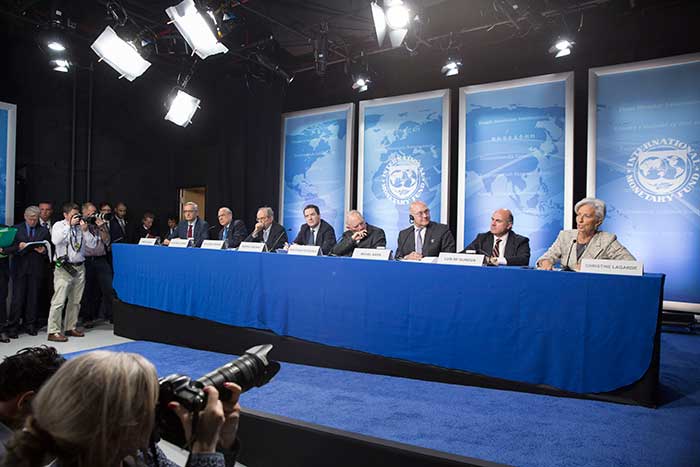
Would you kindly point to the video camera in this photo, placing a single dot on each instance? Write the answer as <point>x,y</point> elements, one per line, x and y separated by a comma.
<point>253,369</point>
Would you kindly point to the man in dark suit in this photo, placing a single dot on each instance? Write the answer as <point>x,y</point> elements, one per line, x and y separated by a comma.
<point>231,232</point>
<point>119,227</point>
<point>172,227</point>
<point>192,227</point>
<point>500,244</point>
<point>424,238</point>
<point>147,229</point>
<point>268,231</point>
<point>316,231</point>
<point>360,234</point>
<point>27,272</point>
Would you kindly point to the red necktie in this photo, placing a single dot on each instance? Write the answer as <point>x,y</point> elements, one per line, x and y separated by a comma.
<point>496,250</point>
<point>189,231</point>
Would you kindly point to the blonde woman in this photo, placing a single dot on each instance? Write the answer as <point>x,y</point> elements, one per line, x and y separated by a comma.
<point>586,241</point>
<point>98,410</point>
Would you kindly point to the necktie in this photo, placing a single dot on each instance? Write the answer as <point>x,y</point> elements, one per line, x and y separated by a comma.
<point>266,234</point>
<point>312,236</point>
<point>496,250</point>
<point>419,242</point>
<point>31,233</point>
<point>224,233</point>
<point>189,230</point>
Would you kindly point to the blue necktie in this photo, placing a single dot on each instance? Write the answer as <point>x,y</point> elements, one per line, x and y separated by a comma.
<point>31,233</point>
<point>224,233</point>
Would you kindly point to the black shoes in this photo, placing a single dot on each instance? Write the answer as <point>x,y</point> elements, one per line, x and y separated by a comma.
<point>4,337</point>
<point>31,331</point>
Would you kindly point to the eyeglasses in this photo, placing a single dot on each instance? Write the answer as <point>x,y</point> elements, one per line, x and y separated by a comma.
<point>188,210</point>
<point>260,219</point>
<point>423,213</point>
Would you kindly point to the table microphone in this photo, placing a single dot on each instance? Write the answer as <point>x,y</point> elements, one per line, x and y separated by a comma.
<point>284,231</point>
<point>567,268</point>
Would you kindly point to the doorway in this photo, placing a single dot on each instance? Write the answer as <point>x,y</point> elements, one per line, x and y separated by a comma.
<point>194,195</point>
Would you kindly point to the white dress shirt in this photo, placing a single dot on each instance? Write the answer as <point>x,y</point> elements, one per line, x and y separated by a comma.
<point>61,238</point>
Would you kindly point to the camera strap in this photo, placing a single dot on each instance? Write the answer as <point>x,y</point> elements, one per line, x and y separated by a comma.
<point>76,239</point>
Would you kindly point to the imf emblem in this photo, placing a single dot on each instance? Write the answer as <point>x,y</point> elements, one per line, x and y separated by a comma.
<point>662,170</point>
<point>403,180</point>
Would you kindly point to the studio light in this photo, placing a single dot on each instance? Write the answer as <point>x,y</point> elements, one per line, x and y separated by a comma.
<point>120,55</point>
<point>182,108</point>
<point>56,46</point>
<point>196,30</point>
<point>361,82</point>
<point>60,65</point>
<point>394,18</point>
<point>451,67</point>
<point>561,48</point>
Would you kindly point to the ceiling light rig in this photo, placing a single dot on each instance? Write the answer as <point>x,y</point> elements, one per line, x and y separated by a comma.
<point>453,64</point>
<point>392,17</point>
<point>361,77</point>
<point>198,25</point>
<point>561,48</point>
<point>180,104</point>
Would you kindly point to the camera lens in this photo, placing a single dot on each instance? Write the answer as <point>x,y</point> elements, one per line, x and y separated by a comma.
<point>252,369</point>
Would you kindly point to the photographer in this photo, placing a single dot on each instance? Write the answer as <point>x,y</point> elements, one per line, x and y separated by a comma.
<point>98,271</point>
<point>99,410</point>
<point>70,237</point>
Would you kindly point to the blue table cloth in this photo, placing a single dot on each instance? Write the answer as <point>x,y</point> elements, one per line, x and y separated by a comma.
<point>573,331</point>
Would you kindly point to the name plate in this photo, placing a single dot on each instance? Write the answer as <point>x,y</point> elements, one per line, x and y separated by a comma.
<point>371,253</point>
<point>255,247</point>
<point>611,266</point>
<point>180,242</point>
<point>461,259</point>
<point>304,250</point>
<point>148,241</point>
<point>213,244</point>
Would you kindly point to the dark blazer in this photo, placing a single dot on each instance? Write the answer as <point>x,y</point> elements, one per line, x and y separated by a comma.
<point>325,238</point>
<point>142,232</point>
<point>117,234</point>
<point>438,238</point>
<point>276,239</point>
<point>517,249</point>
<point>235,235</point>
<point>375,238</point>
<point>201,231</point>
<point>28,262</point>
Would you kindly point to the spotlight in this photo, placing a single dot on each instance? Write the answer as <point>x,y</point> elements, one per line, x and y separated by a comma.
<point>561,48</point>
<point>56,46</point>
<point>361,82</point>
<point>394,16</point>
<point>451,67</point>
<point>60,65</point>
<point>196,29</point>
<point>120,55</point>
<point>182,108</point>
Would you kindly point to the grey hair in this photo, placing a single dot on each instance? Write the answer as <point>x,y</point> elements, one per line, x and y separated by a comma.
<point>193,204</point>
<point>32,211</point>
<point>268,210</point>
<point>226,210</point>
<point>597,204</point>
<point>354,212</point>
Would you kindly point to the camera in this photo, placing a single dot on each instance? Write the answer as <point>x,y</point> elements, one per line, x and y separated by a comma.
<point>253,369</point>
<point>92,218</point>
<point>62,263</point>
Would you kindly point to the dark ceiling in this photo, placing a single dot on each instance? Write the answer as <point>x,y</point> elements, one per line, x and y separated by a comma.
<point>284,32</point>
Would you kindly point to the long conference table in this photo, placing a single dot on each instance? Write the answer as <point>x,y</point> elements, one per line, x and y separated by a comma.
<point>578,332</point>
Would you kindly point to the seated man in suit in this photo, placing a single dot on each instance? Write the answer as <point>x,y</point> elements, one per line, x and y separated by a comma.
<point>424,238</point>
<point>172,226</point>
<point>147,228</point>
<point>500,244</point>
<point>316,231</point>
<point>27,272</point>
<point>192,227</point>
<point>231,232</point>
<point>360,234</point>
<point>268,231</point>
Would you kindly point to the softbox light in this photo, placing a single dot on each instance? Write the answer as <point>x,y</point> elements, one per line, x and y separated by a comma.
<point>120,55</point>
<point>195,29</point>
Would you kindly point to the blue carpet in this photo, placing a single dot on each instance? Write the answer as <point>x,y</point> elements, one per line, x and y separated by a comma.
<point>501,426</point>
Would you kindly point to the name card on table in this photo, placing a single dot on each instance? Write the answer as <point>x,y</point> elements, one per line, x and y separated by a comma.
<point>180,242</point>
<point>213,244</point>
<point>304,250</point>
<point>148,241</point>
<point>371,253</point>
<point>461,259</point>
<point>611,266</point>
<point>255,247</point>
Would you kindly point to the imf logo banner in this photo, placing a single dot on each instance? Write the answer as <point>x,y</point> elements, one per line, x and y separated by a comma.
<point>648,169</point>
<point>401,157</point>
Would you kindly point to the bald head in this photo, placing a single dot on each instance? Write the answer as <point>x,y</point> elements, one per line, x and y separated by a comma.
<point>501,222</point>
<point>420,212</point>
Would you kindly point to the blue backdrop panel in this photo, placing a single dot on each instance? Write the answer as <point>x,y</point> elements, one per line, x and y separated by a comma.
<point>315,167</point>
<point>4,128</point>
<point>402,162</point>
<point>515,157</point>
<point>570,331</point>
<point>648,169</point>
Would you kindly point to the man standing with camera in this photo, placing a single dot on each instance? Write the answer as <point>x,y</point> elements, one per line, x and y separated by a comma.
<point>98,272</point>
<point>70,237</point>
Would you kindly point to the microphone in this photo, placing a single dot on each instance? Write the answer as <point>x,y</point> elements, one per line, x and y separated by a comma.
<point>403,244</point>
<point>566,267</point>
<point>284,231</point>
